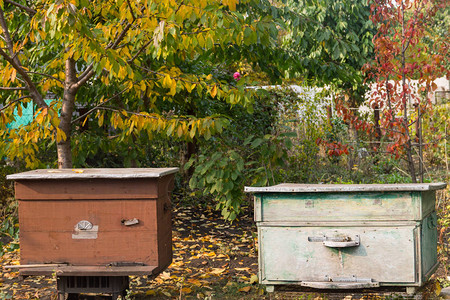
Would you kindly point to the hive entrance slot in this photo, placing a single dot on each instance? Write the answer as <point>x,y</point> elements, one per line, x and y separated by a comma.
<point>114,285</point>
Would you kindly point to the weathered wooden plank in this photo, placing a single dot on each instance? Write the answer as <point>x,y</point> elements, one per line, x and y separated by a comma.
<point>103,173</point>
<point>340,224</point>
<point>428,202</point>
<point>33,266</point>
<point>324,188</point>
<point>384,254</point>
<point>282,207</point>
<point>93,188</point>
<point>89,271</point>
<point>428,245</point>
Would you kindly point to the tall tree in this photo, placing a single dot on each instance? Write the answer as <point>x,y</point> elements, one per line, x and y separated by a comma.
<point>130,64</point>
<point>333,40</point>
<point>402,57</point>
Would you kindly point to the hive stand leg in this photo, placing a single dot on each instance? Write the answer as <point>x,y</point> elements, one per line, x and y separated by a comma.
<point>411,290</point>
<point>120,287</point>
<point>60,286</point>
<point>270,288</point>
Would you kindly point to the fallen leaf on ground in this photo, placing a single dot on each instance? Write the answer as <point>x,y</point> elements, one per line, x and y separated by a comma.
<point>217,271</point>
<point>245,289</point>
<point>254,279</point>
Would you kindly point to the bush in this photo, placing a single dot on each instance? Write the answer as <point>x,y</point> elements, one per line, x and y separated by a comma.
<point>9,227</point>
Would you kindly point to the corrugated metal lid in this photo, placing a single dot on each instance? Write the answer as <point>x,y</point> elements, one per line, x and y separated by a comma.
<point>111,173</point>
<point>316,188</point>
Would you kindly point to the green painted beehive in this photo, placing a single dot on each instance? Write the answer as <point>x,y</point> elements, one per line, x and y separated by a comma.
<point>346,236</point>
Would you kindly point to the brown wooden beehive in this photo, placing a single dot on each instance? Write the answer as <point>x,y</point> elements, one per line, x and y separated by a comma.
<point>95,221</point>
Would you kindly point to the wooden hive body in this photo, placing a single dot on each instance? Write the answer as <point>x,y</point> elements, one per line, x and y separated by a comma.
<point>346,236</point>
<point>129,210</point>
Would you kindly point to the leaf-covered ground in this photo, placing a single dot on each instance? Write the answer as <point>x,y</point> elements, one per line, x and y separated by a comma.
<point>208,253</point>
<point>213,259</point>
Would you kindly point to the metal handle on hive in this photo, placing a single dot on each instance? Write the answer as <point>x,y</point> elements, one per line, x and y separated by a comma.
<point>337,242</point>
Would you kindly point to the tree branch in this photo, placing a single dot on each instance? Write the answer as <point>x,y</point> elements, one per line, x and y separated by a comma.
<point>14,101</point>
<point>7,88</point>
<point>89,72</point>
<point>131,10</point>
<point>140,51</point>
<point>15,62</point>
<point>85,72</point>
<point>120,37</point>
<point>98,106</point>
<point>29,10</point>
<point>46,75</point>
<point>7,37</point>
<point>35,95</point>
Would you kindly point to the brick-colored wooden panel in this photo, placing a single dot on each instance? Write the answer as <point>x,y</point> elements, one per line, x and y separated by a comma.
<point>141,188</point>
<point>107,214</point>
<point>109,247</point>
<point>47,228</point>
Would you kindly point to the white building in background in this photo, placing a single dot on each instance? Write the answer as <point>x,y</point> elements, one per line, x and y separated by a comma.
<point>442,93</point>
<point>312,103</point>
<point>440,96</point>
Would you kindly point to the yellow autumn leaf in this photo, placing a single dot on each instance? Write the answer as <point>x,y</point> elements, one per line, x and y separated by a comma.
<point>13,75</point>
<point>186,290</point>
<point>100,120</point>
<point>165,275</point>
<point>242,269</point>
<point>438,288</point>
<point>231,4</point>
<point>217,271</point>
<point>211,254</point>
<point>180,131</point>
<point>190,87</point>
<point>173,88</point>
<point>245,289</point>
<point>214,91</point>
<point>167,81</point>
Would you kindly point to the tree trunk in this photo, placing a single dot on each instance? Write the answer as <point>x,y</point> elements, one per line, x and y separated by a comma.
<point>409,156</point>
<point>191,150</point>
<point>376,120</point>
<point>64,148</point>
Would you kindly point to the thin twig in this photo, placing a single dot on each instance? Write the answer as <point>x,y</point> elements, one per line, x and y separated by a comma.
<point>404,172</point>
<point>14,101</point>
<point>140,51</point>
<point>6,88</point>
<point>131,10</point>
<point>15,63</point>
<point>29,10</point>
<point>46,75</point>
<point>97,106</point>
